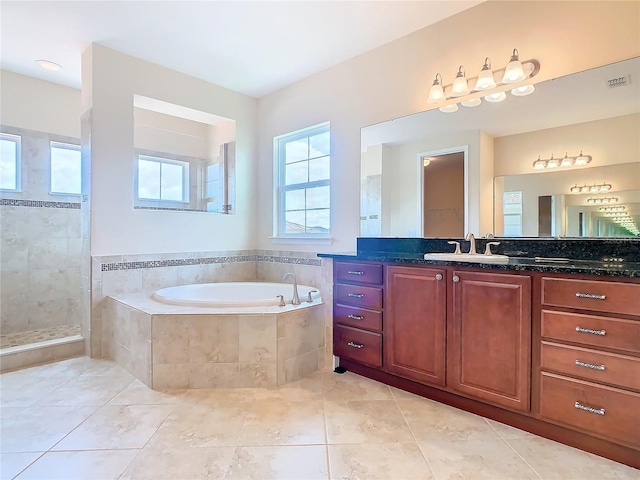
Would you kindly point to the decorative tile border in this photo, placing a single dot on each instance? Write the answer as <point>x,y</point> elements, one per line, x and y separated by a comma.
<point>171,209</point>
<point>109,267</point>
<point>11,202</point>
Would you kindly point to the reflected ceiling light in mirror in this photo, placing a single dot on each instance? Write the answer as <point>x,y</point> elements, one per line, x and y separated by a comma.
<point>436,93</point>
<point>496,97</point>
<point>485,79</point>
<point>453,107</point>
<point>523,91</point>
<point>460,85</point>
<point>426,161</point>
<point>514,71</point>
<point>472,102</point>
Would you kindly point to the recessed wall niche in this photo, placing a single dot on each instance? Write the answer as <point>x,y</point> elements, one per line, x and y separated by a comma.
<point>184,159</point>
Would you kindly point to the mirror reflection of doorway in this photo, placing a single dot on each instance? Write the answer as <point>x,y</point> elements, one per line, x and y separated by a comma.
<point>443,195</point>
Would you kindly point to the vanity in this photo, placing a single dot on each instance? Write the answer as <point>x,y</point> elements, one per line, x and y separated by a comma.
<point>547,345</point>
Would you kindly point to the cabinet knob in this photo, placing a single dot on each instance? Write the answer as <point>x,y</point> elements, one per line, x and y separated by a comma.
<point>456,278</point>
<point>438,276</point>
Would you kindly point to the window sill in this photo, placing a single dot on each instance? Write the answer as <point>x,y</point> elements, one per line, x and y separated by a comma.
<point>302,240</point>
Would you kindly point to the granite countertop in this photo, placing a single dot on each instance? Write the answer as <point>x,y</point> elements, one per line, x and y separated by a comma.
<point>613,267</point>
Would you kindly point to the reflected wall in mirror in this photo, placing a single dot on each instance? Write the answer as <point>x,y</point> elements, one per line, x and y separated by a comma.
<point>184,159</point>
<point>578,112</point>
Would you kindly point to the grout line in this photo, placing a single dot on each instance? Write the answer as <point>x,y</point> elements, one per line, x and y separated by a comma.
<point>521,458</point>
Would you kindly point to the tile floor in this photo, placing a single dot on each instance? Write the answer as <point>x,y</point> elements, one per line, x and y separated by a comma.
<point>89,419</point>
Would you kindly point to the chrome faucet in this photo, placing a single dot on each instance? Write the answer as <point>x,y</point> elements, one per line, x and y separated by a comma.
<point>296,299</point>
<point>472,247</point>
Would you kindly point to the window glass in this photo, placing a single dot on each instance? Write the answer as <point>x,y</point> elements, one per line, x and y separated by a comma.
<point>9,162</point>
<point>66,169</point>
<point>162,179</point>
<point>303,182</point>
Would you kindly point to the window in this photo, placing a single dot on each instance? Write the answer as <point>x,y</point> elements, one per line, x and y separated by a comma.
<point>9,162</point>
<point>162,179</point>
<point>512,213</point>
<point>303,175</point>
<point>66,169</point>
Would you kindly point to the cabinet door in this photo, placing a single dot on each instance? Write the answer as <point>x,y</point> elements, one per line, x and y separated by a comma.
<point>489,343</point>
<point>414,324</point>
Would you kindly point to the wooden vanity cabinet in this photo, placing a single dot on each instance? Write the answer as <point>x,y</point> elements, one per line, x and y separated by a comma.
<point>489,337</point>
<point>415,330</point>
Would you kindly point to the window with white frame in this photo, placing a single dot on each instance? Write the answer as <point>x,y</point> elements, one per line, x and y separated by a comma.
<point>303,182</point>
<point>512,213</point>
<point>162,179</point>
<point>9,162</point>
<point>65,169</point>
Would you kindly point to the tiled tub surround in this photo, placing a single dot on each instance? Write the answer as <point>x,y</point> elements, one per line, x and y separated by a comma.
<point>117,275</point>
<point>40,245</point>
<point>170,346</point>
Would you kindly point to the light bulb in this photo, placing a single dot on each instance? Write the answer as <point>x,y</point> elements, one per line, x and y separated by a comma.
<point>566,161</point>
<point>472,102</point>
<point>577,189</point>
<point>47,65</point>
<point>449,108</point>
<point>582,159</point>
<point>514,71</point>
<point>540,164</point>
<point>553,162</point>
<point>523,91</point>
<point>436,93</point>
<point>605,187</point>
<point>485,79</point>
<point>460,86</point>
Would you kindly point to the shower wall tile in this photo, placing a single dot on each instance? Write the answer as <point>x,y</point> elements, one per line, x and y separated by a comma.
<point>156,278</point>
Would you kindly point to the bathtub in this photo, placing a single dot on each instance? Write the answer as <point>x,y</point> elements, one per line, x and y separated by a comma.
<point>233,294</point>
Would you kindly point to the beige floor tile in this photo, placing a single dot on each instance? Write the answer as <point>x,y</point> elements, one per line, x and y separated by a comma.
<point>87,390</point>
<point>117,427</point>
<point>399,394</point>
<point>375,421</point>
<point>302,462</point>
<point>101,367</point>
<point>137,393</point>
<point>308,388</point>
<point>474,460</point>
<point>554,461</point>
<point>11,464</point>
<point>428,419</point>
<point>201,426</point>
<point>384,461</point>
<point>19,389</point>
<point>65,368</point>
<point>36,429</point>
<point>350,386</point>
<point>87,465</point>
<point>184,463</point>
<point>278,422</point>
<point>213,397</point>
<point>508,432</point>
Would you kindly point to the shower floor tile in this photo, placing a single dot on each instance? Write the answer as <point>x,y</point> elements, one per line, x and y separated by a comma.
<point>39,335</point>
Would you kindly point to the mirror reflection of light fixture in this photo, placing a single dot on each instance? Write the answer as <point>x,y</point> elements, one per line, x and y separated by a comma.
<point>599,200</point>
<point>460,86</point>
<point>619,208</point>
<point>426,161</point>
<point>514,73</point>
<point>453,107</point>
<point>496,97</point>
<point>595,188</point>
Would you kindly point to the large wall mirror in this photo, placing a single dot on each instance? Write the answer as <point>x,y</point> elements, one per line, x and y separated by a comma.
<point>592,112</point>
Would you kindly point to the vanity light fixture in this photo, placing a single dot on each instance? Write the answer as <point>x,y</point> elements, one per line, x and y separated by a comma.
<point>515,72</point>
<point>619,208</point>
<point>599,200</point>
<point>595,188</point>
<point>566,161</point>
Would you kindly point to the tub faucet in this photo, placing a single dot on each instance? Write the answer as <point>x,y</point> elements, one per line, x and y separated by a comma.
<point>296,299</point>
<point>472,247</point>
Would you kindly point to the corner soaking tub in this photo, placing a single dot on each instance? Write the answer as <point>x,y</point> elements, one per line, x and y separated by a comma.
<point>232,294</point>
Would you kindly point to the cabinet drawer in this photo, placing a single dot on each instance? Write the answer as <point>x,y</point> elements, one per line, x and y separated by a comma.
<point>358,317</point>
<point>618,370</point>
<point>358,345</point>
<point>614,297</point>
<point>592,330</point>
<point>359,296</point>
<point>359,272</point>
<point>605,411</point>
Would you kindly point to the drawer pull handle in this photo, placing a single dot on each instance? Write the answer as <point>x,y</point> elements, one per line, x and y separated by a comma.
<point>597,411</point>
<point>358,345</point>
<point>355,295</point>
<point>592,296</point>
<point>590,365</point>
<point>591,331</point>
<point>355,272</point>
<point>355,317</point>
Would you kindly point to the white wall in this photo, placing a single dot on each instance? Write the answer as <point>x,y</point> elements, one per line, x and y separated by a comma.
<point>38,105</point>
<point>115,227</point>
<point>393,80</point>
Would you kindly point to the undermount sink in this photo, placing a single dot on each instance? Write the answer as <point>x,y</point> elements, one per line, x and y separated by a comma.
<point>466,257</point>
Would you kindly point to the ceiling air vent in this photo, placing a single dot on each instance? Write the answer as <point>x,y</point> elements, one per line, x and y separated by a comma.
<point>619,81</point>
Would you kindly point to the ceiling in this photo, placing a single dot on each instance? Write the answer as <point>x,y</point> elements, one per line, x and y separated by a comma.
<point>253,47</point>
